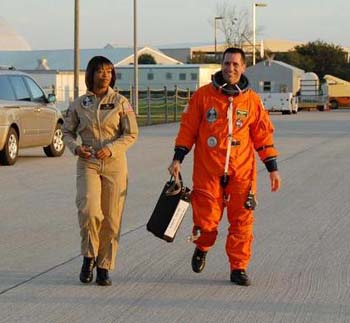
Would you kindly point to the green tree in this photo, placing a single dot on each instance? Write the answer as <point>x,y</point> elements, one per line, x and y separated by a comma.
<point>318,57</point>
<point>146,59</point>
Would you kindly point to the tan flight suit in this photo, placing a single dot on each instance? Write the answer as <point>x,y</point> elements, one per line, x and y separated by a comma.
<point>101,184</point>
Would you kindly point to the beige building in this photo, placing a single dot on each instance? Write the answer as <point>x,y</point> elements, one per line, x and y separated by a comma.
<point>185,54</point>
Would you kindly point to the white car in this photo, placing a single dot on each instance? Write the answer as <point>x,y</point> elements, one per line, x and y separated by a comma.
<point>28,118</point>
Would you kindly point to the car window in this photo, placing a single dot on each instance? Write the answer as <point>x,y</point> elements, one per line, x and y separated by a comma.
<point>37,93</point>
<point>20,88</point>
<point>6,92</point>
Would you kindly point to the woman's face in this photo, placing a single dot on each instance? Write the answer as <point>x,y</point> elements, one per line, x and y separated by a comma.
<point>103,77</point>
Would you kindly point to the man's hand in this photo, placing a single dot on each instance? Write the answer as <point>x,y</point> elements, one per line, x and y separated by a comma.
<point>174,168</point>
<point>275,180</point>
<point>103,153</point>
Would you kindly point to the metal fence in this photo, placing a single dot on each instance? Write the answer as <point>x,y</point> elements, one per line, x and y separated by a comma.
<point>155,105</point>
<point>159,105</point>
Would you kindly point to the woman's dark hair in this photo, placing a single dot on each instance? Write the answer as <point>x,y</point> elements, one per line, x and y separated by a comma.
<point>234,50</point>
<point>94,64</point>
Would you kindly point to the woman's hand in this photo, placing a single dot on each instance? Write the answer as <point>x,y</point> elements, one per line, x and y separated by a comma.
<point>83,152</point>
<point>103,153</point>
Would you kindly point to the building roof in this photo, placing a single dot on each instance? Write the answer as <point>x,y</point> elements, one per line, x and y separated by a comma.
<point>59,59</point>
<point>292,67</point>
<point>63,59</point>
<point>152,51</point>
<point>283,64</point>
<point>10,39</point>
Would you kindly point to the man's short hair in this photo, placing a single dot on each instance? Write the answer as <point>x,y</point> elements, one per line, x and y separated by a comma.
<point>234,50</point>
<point>94,64</point>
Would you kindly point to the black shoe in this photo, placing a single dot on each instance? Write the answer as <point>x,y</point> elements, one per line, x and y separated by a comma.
<point>198,260</point>
<point>240,277</point>
<point>86,274</point>
<point>102,278</point>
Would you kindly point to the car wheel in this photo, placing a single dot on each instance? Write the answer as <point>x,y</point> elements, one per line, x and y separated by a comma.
<point>56,148</point>
<point>9,154</point>
<point>334,104</point>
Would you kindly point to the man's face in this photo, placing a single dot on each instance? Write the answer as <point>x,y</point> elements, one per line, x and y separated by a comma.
<point>232,68</point>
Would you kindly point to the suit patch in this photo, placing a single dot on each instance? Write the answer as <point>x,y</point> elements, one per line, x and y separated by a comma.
<point>239,123</point>
<point>211,115</point>
<point>128,107</point>
<point>242,113</point>
<point>107,106</point>
<point>212,141</point>
<point>87,101</point>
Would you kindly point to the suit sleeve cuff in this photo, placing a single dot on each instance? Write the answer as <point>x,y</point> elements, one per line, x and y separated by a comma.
<point>271,164</point>
<point>180,153</point>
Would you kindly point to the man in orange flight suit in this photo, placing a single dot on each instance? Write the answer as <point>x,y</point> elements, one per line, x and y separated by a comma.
<point>227,123</point>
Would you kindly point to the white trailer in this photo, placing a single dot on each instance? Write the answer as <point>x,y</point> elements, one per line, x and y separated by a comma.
<point>280,102</point>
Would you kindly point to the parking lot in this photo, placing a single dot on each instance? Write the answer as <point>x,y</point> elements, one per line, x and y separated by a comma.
<point>300,268</point>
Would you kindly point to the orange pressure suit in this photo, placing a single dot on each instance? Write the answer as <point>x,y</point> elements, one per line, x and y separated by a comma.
<point>205,124</point>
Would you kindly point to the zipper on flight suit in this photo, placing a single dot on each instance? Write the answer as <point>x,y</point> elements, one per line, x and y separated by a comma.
<point>99,130</point>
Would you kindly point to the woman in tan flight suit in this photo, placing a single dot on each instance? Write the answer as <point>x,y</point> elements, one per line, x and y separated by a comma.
<point>107,127</point>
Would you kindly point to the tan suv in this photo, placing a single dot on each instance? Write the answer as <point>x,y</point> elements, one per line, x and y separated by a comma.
<point>28,118</point>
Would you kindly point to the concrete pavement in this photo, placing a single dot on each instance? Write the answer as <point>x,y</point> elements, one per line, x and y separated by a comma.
<point>300,267</point>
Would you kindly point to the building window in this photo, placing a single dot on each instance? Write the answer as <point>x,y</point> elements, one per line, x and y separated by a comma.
<point>150,76</point>
<point>182,76</point>
<point>168,76</point>
<point>267,86</point>
<point>194,76</point>
<point>119,76</point>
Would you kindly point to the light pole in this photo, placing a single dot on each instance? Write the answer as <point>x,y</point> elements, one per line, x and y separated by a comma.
<point>136,74</point>
<point>76,49</point>
<point>215,19</point>
<point>255,4</point>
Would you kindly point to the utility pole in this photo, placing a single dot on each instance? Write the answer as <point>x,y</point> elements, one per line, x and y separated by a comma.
<point>255,4</point>
<point>215,25</point>
<point>76,49</point>
<point>136,73</point>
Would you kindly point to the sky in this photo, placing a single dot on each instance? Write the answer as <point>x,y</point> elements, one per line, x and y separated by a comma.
<point>49,24</point>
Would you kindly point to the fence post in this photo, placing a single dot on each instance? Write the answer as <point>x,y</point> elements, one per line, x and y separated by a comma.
<point>148,106</point>
<point>131,96</point>
<point>175,107</point>
<point>166,104</point>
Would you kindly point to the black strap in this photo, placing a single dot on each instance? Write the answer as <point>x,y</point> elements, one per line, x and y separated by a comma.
<point>264,147</point>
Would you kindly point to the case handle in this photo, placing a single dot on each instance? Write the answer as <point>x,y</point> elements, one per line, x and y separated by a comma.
<point>175,185</point>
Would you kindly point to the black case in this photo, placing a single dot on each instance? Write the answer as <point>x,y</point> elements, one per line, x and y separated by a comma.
<point>169,212</point>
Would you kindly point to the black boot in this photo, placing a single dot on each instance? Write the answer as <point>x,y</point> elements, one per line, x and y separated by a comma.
<point>86,274</point>
<point>102,278</point>
<point>198,260</point>
<point>240,277</point>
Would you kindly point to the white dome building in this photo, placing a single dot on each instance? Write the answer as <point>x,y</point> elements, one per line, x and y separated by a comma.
<point>10,39</point>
